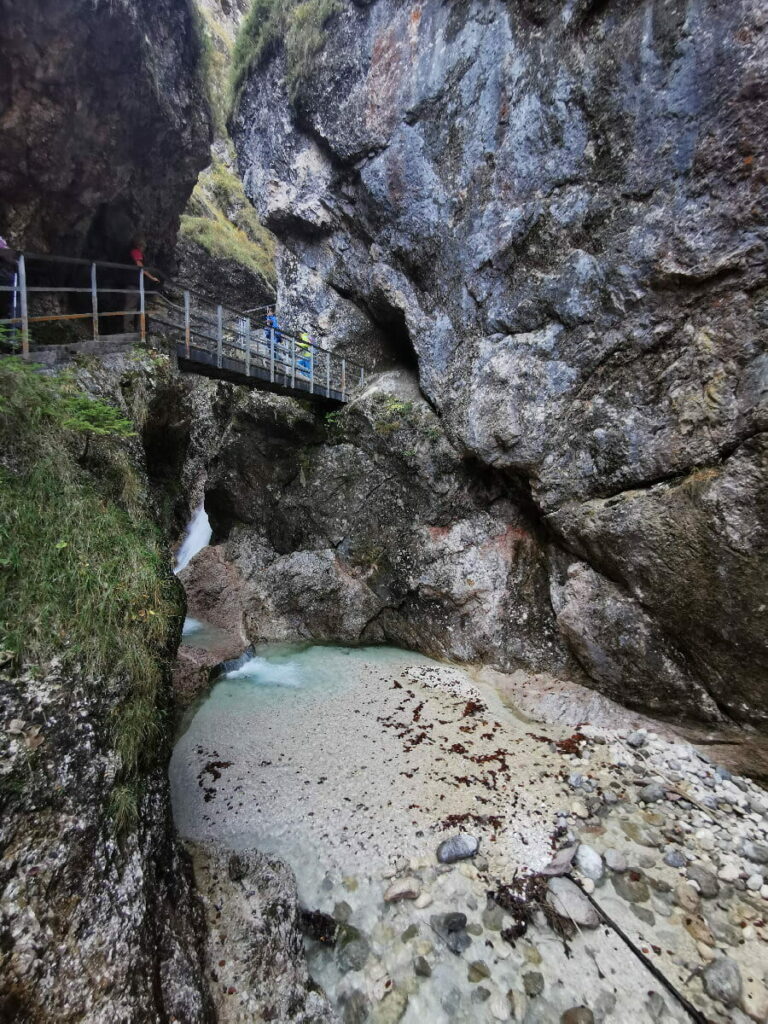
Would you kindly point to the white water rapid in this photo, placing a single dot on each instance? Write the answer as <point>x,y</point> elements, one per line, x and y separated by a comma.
<point>197,537</point>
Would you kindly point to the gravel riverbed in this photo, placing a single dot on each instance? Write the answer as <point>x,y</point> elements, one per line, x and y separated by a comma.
<point>353,766</point>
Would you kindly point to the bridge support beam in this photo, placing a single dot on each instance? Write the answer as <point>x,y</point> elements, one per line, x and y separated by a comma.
<point>94,303</point>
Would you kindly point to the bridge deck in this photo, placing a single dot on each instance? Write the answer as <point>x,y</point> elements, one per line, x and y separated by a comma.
<point>204,362</point>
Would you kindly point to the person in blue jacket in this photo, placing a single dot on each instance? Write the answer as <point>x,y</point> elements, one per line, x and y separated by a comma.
<point>272,325</point>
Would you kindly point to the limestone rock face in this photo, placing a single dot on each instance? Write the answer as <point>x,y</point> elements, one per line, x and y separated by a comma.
<point>370,527</point>
<point>105,124</point>
<point>71,894</point>
<point>623,649</point>
<point>553,210</point>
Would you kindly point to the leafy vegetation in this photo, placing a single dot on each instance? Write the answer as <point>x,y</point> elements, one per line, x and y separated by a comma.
<point>298,25</point>
<point>83,574</point>
<point>394,415</point>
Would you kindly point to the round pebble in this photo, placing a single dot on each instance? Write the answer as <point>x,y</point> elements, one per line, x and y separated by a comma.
<point>728,873</point>
<point>615,860</point>
<point>578,808</point>
<point>589,862</point>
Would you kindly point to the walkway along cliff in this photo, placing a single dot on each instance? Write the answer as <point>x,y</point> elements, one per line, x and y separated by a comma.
<point>540,226</point>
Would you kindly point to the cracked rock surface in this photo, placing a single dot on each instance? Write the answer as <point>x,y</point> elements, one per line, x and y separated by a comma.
<point>553,210</point>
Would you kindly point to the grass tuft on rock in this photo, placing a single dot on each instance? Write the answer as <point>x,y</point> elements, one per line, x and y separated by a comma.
<point>298,26</point>
<point>222,221</point>
<point>83,571</point>
<point>124,807</point>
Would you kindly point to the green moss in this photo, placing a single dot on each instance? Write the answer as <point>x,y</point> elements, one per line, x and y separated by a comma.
<point>392,415</point>
<point>304,39</point>
<point>222,220</point>
<point>261,29</point>
<point>220,238</point>
<point>299,26</point>
<point>214,62</point>
<point>83,572</point>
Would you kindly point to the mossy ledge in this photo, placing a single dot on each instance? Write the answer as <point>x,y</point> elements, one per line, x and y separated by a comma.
<point>223,222</point>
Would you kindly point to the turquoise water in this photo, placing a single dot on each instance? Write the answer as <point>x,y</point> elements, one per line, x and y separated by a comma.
<point>269,670</point>
<point>203,635</point>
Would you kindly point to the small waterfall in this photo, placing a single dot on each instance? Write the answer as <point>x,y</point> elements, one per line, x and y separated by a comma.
<point>197,537</point>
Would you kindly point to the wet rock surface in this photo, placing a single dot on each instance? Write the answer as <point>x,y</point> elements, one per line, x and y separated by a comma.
<point>254,952</point>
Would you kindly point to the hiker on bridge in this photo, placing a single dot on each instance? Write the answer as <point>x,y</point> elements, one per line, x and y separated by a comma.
<point>272,325</point>
<point>132,298</point>
<point>304,352</point>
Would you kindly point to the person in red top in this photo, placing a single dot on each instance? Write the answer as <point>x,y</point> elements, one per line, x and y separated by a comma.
<point>132,299</point>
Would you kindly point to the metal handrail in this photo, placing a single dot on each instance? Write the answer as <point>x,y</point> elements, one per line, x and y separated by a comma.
<point>280,332</point>
<point>303,365</point>
<point>286,354</point>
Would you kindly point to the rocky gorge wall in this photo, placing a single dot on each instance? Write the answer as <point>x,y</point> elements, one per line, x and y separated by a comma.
<point>553,212</point>
<point>223,252</point>
<point>105,124</point>
<point>98,919</point>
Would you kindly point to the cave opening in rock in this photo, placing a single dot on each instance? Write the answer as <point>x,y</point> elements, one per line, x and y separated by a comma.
<point>396,349</point>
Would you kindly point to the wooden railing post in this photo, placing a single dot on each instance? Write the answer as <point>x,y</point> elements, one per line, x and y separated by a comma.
<point>94,303</point>
<point>187,321</point>
<point>219,335</point>
<point>24,305</point>
<point>142,308</point>
<point>272,355</point>
<point>328,375</point>
<point>343,378</point>
<point>248,347</point>
<point>312,370</point>
<point>293,362</point>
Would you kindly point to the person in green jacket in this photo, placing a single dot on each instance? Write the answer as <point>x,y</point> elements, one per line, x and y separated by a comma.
<point>304,352</point>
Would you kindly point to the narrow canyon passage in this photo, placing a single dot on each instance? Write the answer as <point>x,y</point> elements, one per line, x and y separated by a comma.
<point>383,512</point>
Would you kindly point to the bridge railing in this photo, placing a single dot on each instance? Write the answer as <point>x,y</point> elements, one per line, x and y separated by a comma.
<point>239,343</point>
<point>32,291</point>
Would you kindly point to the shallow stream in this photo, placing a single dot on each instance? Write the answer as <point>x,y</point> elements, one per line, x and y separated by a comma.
<point>352,765</point>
